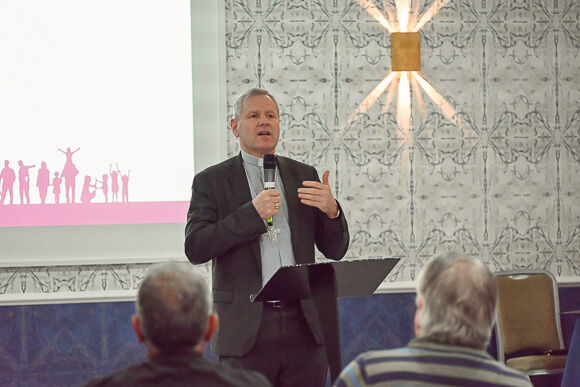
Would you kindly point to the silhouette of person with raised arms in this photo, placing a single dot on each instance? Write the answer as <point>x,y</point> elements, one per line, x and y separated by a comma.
<point>24,181</point>
<point>7,178</point>
<point>87,195</point>
<point>43,181</point>
<point>56,187</point>
<point>125,181</point>
<point>69,173</point>
<point>114,182</point>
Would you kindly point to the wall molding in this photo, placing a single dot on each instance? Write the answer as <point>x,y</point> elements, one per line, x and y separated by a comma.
<point>116,283</point>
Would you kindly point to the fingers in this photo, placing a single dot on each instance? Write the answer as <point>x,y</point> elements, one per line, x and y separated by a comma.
<point>267,203</point>
<point>266,212</point>
<point>316,184</point>
<point>312,196</point>
<point>319,195</point>
<point>315,191</point>
<point>325,177</point>
<point>274,211</point>
<point>270,195</point>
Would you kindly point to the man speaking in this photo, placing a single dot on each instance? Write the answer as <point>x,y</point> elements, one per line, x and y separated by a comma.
<point>249,232</point>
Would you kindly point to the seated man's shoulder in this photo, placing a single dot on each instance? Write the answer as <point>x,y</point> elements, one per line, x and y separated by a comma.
<point>118,378</point>
<point>237,377</point>
<point>416,366</point>
<point>366,369</point>
<point>516,377</point>
<point>206,373</point>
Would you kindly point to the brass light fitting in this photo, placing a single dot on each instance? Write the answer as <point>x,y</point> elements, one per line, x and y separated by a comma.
<point>406,51</point>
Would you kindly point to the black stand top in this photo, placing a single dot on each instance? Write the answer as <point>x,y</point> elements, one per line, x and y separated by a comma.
<point>352,278</point>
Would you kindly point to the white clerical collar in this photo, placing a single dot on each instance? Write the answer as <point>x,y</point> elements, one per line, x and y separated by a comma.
<point>251,159</point>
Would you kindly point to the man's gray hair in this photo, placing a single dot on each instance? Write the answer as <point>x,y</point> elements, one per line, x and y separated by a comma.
<point>173,306</point>
<point>237,106</point>
<point>459,296</point>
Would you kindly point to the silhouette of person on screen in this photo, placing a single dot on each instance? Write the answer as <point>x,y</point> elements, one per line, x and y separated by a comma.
<point>105,186</point>
<point>7,178</point>
<point>24,181</point>
<point>125,182</point>
<point>43,181</point>
<point>69,173</point>
<point>114,182</point>
<point>89,189</point>
<point>56,187</point>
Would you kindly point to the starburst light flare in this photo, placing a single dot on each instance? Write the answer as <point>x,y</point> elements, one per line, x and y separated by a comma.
<point>405,78</point>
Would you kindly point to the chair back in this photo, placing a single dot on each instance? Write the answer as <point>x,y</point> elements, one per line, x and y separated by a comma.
<point>528,312</point>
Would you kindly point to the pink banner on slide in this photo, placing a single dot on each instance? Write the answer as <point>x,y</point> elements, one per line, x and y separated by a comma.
<point>92,213</point>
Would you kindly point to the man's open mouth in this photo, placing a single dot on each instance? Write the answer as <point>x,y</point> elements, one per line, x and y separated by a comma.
<point>264,133</point>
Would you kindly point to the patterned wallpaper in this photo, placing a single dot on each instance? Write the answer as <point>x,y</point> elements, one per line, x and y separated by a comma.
<point>73,279</point>
<point>502,186</point>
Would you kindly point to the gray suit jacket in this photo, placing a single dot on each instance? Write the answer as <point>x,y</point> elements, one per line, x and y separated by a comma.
<point>223,226</point>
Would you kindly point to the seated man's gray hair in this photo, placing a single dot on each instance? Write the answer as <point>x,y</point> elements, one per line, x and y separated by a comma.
<point>459,296</point>
<point>173,306</point>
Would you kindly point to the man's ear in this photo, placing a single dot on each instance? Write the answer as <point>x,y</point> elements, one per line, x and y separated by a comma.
<point>136,322</point>
<point>234,126</point>
<point>212,323</point>
<point>416,326</point>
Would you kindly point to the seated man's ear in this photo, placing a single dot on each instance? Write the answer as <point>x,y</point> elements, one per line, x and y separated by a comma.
<point>212,323</point>
<point>416,325</point>
<point>136,322</point>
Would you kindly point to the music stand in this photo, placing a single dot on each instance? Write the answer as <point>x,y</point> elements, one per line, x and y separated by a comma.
<point>324,282</point>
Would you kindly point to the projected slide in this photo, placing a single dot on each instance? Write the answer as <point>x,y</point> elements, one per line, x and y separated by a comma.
<point>95,112</point>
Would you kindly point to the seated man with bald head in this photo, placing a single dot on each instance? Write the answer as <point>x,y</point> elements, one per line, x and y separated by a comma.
<point>174,322</point>
<point>456,302</point>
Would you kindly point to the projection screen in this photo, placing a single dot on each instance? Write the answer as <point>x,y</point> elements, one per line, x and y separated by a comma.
<point>97,115</point>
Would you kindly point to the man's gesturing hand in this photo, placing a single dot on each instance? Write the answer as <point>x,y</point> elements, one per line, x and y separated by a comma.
<point>319,195</point>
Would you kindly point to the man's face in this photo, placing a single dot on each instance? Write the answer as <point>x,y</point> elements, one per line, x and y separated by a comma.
<point>259,126</point>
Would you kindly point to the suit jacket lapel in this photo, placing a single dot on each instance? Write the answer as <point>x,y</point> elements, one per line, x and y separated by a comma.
<point>291,185</point>
<point>241,194</point>
<point>239,182</point>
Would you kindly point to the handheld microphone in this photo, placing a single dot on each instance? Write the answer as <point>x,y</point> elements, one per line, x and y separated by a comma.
<point>269,175</point>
